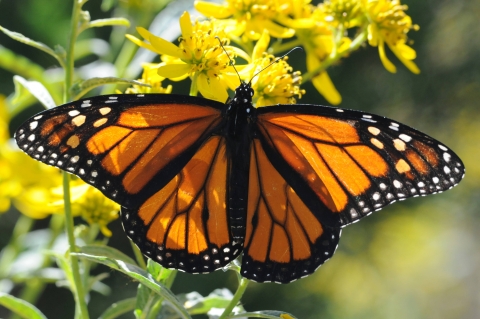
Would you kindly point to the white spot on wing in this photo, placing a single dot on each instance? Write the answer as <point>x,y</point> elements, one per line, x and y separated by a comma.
<point>405,137</point>
<point>33,125</point>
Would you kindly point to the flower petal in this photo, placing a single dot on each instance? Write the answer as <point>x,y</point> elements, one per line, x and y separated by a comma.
<point>239,52</point>
<point>186,25</point>
<point>215,10</point>
<point>325,86</point>
<point>383,57</point>
<point>161,46</point>
<point>141,44</point>
<point>409,64</point>
<point>276,30</point>
<point>174,70</point>
<point>406,51</point>
<point>372,35</point>
<point>261,46</point>
<point>211,88</point>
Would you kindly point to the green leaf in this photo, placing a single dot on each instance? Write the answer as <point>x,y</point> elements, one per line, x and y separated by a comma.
<point>141,276</point>
<point>101,250</point>
<point>267,314</point>
<point>39,45</point>
<point>35,88</point>
<point>20,307</point>
<point>119,308</point>
<point>197,304</point>
<point>80,89</point>
<point>159,272</point>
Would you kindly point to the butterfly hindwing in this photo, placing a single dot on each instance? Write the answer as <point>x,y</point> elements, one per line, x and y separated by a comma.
<point>127,146</point>
<point>185,224</point>
<point>354,162</point>
<point>284,240</point>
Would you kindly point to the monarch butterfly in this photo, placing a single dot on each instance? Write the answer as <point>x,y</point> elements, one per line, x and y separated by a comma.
<point>200,181</point>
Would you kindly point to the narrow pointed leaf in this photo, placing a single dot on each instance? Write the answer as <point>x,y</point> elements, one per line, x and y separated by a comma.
<point>101,250</point>
<point>39,45</point>
<point>35,88</point>
<point>20,307</point>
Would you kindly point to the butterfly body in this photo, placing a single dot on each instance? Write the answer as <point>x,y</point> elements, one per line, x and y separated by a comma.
<point>200,181</point>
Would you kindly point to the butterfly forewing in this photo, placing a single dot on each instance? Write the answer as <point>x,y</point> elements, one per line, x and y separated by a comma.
<point>127,146</point>
<point>354,162</point>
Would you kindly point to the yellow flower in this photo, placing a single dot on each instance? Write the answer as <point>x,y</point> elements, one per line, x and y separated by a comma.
<point>150,76</point>
<point>276,84</point>
<point>346,12</point>
<point>91,204</point>
<point>251,17</point>
<point>389,24</point>
<point>319,43</point>
<point>198,56</point>
<point>22,180</point>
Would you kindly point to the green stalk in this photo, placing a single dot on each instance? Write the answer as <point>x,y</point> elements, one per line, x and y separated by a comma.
<point>236,298</point>
<point>356,43</point>
<point>78,290</point>
<point>193,86</point>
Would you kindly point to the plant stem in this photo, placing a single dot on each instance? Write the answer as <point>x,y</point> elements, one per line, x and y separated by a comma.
<point>78,290</point>
<point>193,86</point>
<point>236,298</point>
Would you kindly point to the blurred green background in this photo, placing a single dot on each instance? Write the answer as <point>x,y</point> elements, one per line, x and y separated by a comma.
<point>415,259</point>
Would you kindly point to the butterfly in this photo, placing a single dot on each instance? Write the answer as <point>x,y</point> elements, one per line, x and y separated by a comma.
<point>199,181</point>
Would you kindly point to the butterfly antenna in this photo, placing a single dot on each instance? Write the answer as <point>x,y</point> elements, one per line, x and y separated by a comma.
<point>231,61</point>
<point>273,62</point>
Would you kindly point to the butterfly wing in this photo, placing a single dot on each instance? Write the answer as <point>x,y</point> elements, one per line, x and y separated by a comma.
<point>184,225</point>
<point>128,146</point>
<point>157,156</point>
<point>284,240</point>
<point>350,163</point>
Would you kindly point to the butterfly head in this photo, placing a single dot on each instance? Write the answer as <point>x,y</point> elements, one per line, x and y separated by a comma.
<point>243,94</point>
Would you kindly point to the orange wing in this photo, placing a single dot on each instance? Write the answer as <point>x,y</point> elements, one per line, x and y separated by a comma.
<point>184,225</point>
<point>284,240</point>
<point>127,146</point>
<point>346,164</point>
